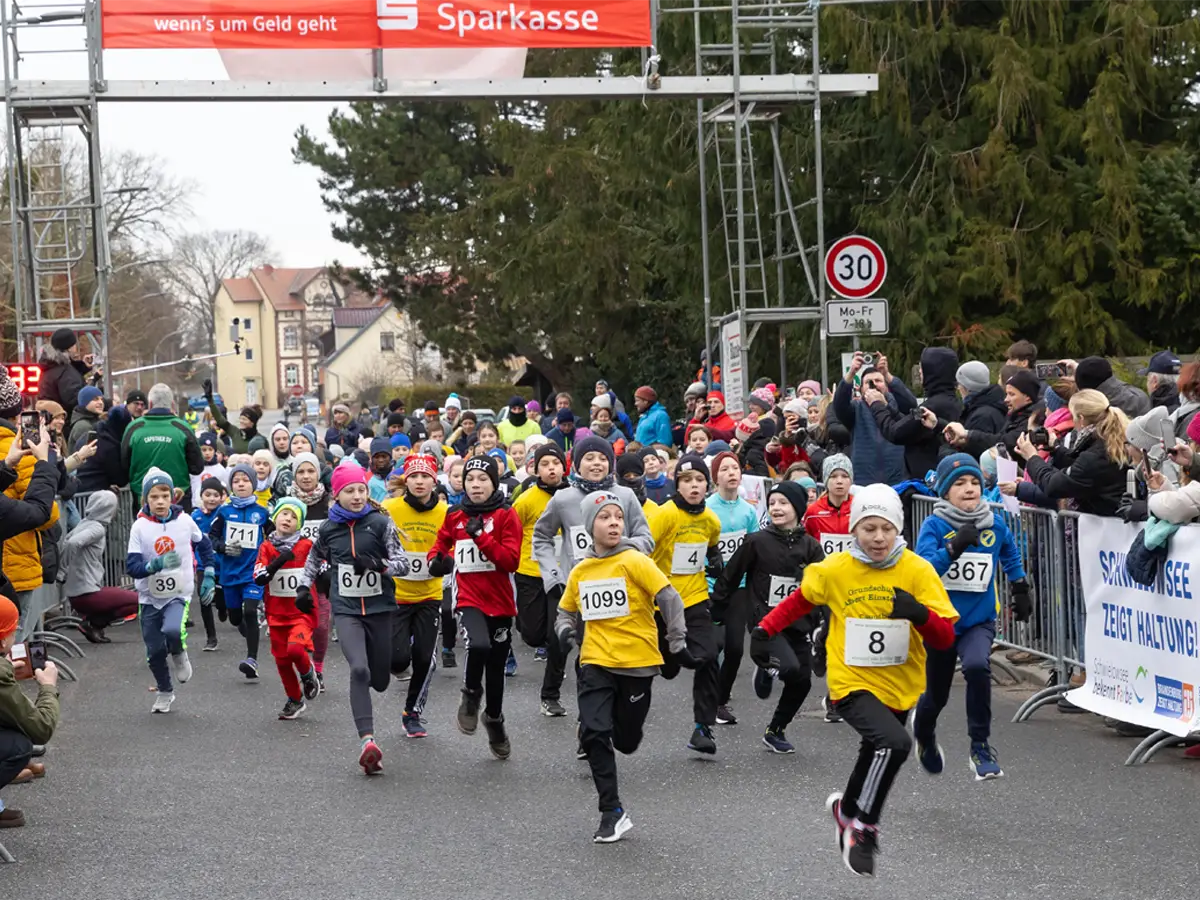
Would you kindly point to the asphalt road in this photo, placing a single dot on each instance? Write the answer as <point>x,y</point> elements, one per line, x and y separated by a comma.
<point>220,799</point>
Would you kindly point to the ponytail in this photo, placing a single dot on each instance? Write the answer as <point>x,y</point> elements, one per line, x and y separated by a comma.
<point>1090,407</point>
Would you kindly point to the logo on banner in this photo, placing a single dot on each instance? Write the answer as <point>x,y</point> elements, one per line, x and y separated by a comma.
<point>1173,698</point>
<point>1139,676</point>
<point>397,15</point>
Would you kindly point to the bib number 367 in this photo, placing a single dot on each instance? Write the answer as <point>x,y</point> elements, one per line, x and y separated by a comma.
<point>872,643</point>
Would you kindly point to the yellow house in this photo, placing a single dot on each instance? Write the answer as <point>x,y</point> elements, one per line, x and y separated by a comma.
<point>280,315</point>
<point>375,348</point>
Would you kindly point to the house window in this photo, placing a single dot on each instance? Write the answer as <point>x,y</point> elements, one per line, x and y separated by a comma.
<point>314,375</point>
<point>247,326</point>
<point>291,374</point>
<point>249,354</point>
<point>387,342</point>
<point>291,338</point>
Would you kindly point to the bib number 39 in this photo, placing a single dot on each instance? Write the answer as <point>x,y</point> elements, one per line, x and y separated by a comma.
<point>165,585</point>
<point>352,584</point>
<point>872,643</point>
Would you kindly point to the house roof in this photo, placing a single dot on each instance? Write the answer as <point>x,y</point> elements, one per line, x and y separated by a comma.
<point>376,312</point>
<point>242,290</point>
<point>356,317</point>
<point>284,288</point>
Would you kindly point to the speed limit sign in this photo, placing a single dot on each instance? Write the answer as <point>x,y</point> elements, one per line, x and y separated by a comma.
<point>855,267</point>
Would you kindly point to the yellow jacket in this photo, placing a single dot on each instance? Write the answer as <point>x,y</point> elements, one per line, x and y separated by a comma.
<point>23,554</point>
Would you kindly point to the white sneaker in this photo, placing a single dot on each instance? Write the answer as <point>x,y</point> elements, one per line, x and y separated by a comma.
<point>162,702</point>
<point>181,667</point>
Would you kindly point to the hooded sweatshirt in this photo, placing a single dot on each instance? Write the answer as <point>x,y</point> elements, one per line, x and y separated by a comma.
<point>773,560</point>
<point>985,410</point>
<point>84,564</point>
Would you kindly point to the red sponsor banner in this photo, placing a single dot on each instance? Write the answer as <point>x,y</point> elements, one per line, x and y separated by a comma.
<point>368,24</point>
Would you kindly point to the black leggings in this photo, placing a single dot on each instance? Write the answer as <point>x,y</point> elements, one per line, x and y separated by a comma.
<point>366,642</point>
<point>731,640</point>
<point>885,745</point>
<point>245,620</point>
<point>535,620</point>
<point>414,637</point>
<point>449,626</point>
<point>702,644</point>
<point>487,640</point>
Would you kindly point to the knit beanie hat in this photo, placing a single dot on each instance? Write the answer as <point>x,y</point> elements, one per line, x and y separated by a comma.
<point>306,458</point>
<point>9,617</point>
<point>548,449</point>
<point>212,483</point>
<point>346,474</point>
<point>974,376</point>
<point>716,395</point>
<point>10,397</point>
<point>88,394</point>
<point>516,401</point>
<point>1151,430</point>
<point>592,444</point>
<point>1026,382</point>
<point>253,413</point>
<point>1193,430</point>
<point>877,500</point>
<point>762,398</point>
<point>485,464</point>
<point>954,467</point>
<point>1092,372</point>
<point>453,401</point>
<point>154,478</point>
<point>716,447</point>
<point>418,462</point>
<point>299,510</point>
<point>396,419</point>
<point>692,462</point>
<point>337,451</point>
<point>814,386</point>
<point>564,415</point>
<point>245,469</point>
<point>208,439</point>
<point>382,445</point>
<point>796,407</point>
<point>696,389</point>
<point>647,393</point>
<point>795,494</point>
<point>715,462</point>
<point>602,401</point>
<point>264,455</point>
<point>591,505</point>
<point>834,463</point>
<point>630,464</point>
<point>533,407</point>
<point>63,340</point>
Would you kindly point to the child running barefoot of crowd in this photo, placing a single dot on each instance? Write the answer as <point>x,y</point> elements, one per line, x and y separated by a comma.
<point>237,532</point>
<point>886,604</point>
<point>158,540</point>
<point>290,618</point>
<point>361,547</point>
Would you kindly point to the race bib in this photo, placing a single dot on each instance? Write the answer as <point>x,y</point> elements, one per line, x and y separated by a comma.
<point>876,642</point>
<point>165,585</point>
<point>581,541</point>
<point>836,543</point>
<point>781,586</point>
<point>244,534</point>
<point>310,528</point>
<point>286,582</point>
<point>728,543</point>
<point>971,572</point>
<point>604,598</point>
<point>688,559</point>
<point>351,584</point>
<point>418,567</point>
<point>469,558</point>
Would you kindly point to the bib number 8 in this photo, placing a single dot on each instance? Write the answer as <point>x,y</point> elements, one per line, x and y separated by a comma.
<point>875,644</point>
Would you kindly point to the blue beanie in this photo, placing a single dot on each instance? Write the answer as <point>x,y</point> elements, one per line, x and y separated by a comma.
<point>88,394</point>
<point>401,440</point>
<point>208,439</point>
<point>156,477</point>
<point>953,467</point>
<point>381,445</point>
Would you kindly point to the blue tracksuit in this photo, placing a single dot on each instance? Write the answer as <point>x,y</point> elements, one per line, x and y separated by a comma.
<point>204,522</point>
<point>974,607</point>
<point>237,572</point>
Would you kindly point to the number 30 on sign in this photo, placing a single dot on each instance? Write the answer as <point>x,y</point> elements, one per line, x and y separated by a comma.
<point>855,267</point>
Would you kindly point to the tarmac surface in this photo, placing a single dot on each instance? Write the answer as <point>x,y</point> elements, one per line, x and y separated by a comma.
<point>220,799</point>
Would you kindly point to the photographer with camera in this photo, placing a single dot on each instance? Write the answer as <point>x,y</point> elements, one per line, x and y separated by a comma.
<point>1022,392</point>
<point>874,459</point>
<point>923,445</point>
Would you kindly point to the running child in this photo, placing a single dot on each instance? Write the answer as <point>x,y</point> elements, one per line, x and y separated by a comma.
<point>290,618</point>
<point>211,496</point>
<point>965,542</point>
<point>480,541</point>
<point>360,547</point>
<point>886,604</point>
<point>307,487</point>
<point>164,581</point>
<point>614,590</point>
<point>213,467</point>
<point>236,534</point>
<point>263,463</point>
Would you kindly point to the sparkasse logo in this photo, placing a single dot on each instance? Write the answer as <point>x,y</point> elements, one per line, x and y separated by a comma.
<point>397,15</point>
<point>515,18</point>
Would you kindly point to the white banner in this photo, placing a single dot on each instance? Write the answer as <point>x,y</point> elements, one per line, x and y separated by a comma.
<point>1142,644</point>
<point>733,379</point>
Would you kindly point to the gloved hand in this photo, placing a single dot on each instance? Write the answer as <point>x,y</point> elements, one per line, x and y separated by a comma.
<point>760,647</point>
<point>1133,510</point>
<point>1022,601</point>
<point>208,388</point>
<point>285,557</point>
<point>758,633</point>
<point>304,599</point>
<point>168,560</point>
<point>368,563</point>
<point>440,565</point>
<point>232,549</point>
<point>906,606</point>
<point>208,586</point>
<point>219,600</point>
<point>567,639</point>
<point>967,536</point>
<point>474,526</point>
<point>684,659</point>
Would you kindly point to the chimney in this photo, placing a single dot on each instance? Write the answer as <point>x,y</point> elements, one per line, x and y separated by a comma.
<point>268,269</point>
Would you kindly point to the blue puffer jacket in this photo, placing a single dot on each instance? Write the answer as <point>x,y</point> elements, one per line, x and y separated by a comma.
<point>875,459</point>
<point>654,427</point>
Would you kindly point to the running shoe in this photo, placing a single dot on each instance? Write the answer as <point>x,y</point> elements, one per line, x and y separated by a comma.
<point>931,757</point>
<point>310,684</point>
<point>181,667</point>
<point>725,715</point>
<point>497,736</point>
<point>832,716</point>
<point>321,681</point>
<point>777,742</point>
<point>210,645</point>
<point>468,714</point>
<point>859,848</point>
<point>553,709</point>
<point>413,727</point>
<point>702,740</point>
<point>370,757</point>
<point>249,668</point>
<point>764,681</point>
<point>540,654</point>
<point>510,667</point>
<point>819,663</point>
<point>448,660</point>
<point>983,762</point>
<point>293,709</point>
<point>404,676</point>
<point>613,824</point>
<point>163,701</point>
<point>833,803</point>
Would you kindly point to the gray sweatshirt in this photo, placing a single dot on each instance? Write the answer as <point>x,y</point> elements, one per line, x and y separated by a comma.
<point>84,563</point>
<point>669,603</point>
<point>564,514</point>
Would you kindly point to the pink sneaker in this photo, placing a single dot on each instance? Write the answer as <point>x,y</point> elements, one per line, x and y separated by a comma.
<point>371,757</point>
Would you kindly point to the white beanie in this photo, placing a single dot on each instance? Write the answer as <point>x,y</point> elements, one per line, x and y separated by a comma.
<point>797,406</point>
<point>877,500</point>
<point>453,400</point>
<point>602,401</point>
<point>534,441</point>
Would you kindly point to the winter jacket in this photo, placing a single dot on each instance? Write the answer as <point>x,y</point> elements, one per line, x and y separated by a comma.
<point>281,608</point>
<point>240,441</point>
<point>752,452</point>
<point>826,523</point>
<point>62,378</point>
<point>1179,507</point>
<point>150,538</point>
<point>773,562</point>
<point>1166,396</point>
<point>160,439</point>
<point>922,445</point>
<point>985,410</point>
<point>83,420</point>
<point>86,543</point>
<point>21,516</point>
<point>660,491</point>
<point>36,720</point>
<point>104,470</point>
<point>237,570</point>
<point>483,565</point>
<point>1084,474</point>
<point>336,550</point>
<point>791,450</point>
<point>565,439</point>
<point>509,431</point>
<point>1183,416</point>
<point>654,427</point>
<point>22,552</point>
<point>875,460</point>
<point>722,427</point>
<point>1015,424</point>
<point>1125,397</point>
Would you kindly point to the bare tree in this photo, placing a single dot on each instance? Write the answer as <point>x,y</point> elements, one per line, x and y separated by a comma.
<point>143,202</point>
<point>200,262</point>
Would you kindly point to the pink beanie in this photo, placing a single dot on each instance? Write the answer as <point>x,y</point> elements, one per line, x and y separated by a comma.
<point>1193,430</point>
<point>346,475</point>
<point>814,386</point>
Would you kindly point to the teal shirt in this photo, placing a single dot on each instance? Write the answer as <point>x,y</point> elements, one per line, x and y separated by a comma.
<point>734,516</point>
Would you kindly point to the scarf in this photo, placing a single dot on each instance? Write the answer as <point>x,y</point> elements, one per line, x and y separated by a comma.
<point>604,429</point>
<point>657,481</point>
<point>590,487</point>
<point>518,419</point>
<point>306,497</point>
<point>892,558</point>
<point>551,489</point>
<point>262,484</point>
<point>243,502</point>
<point>284,542</point>
<point>638,486</point>
<point>418,505</point>
<point>341,515</point>
<point>693,508</point>
<point>491,504</point>
<point>981,516</point>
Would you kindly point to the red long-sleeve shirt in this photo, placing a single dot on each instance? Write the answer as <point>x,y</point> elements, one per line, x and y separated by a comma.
<point>937,632</point>
<point>492,592</point>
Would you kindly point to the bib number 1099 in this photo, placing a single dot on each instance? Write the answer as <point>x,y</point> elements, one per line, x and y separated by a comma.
<point>604,598</point>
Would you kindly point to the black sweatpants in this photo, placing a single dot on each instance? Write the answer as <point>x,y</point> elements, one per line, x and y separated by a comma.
<point>612,713</point>
<point>702,644</point>
<point>535,620</point>
<point>245,620</point>
<point>15,752</point>
<point>885,745</point>
<point>789,654</point>
<point>449,626</point>
<point>414,639</point>
<point>731,640</point>
<point>487,640</point>
<point>366,642</point>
